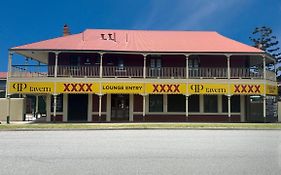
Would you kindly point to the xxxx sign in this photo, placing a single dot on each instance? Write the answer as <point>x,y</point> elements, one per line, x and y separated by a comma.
<point>77,88</point>
<point>165,88</point>
<point>247,89</point>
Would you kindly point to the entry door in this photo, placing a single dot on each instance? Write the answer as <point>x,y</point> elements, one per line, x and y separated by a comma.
<point>119,107</point>
<point>77,107</point>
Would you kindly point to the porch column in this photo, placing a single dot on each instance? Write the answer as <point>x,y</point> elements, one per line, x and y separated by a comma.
<point>229,107</point>
<point>65,107</point>
<point>187,66</point>
<point>56,64</point>
<point>131,107</point>
<point>36,106</point>
<point>100,96</point>
<point>108,107</point>
<point>90,107</point>
<point>143,107</point>
<point>144,66</point>
<point>242,108</point>
<point>48,108</point>
<point>101,56</point>
<point>186,108</point>
<point>55,107</point>
<point>9,74</point>
<point>264,67</point>
<point>228,66</point>
<point>264,108</point>
<point>9,108</point>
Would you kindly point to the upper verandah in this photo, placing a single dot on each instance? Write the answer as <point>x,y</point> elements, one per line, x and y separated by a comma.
<point>142,41</point>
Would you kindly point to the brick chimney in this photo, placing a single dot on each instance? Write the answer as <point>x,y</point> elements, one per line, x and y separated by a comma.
<point>66,30</point>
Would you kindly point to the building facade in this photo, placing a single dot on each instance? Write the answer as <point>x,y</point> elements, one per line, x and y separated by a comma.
<point>147,76</point>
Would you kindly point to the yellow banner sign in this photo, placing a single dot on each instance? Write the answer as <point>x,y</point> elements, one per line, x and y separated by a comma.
<point>247,89</point>
<point>207,88</point>
<point>122,88</point>
<point>31,87</point>
<point>271,90</point>
<point>77,88</point>
<point>165,88</point>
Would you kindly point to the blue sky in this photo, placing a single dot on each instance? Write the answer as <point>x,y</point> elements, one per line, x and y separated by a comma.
<point>28,21</point>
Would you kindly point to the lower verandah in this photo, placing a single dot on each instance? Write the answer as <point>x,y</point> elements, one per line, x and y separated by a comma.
<point>158,108</point>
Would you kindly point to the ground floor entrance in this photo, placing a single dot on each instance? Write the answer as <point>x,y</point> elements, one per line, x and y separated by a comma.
<point>77,107</point>
<point>120,107</point>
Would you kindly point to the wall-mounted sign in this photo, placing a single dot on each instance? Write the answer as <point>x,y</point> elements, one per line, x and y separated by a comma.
<point>207,88</point>
<point>165,88</point>
<point>247,89</point>
<point>31,87</point>
<point>77,87</point>
<point>122,88</point>
<point>271,90</point>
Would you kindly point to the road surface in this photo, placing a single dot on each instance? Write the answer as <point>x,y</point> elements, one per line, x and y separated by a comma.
<point>146,152</point>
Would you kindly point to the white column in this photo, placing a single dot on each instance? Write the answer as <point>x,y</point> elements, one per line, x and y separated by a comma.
<point>228,66</point>
<point>55,107</point>
<point>144,66</point>
<point>56,64</point>
<point>90,107</point>
<point>9,107</point>
<point>143,106</point>
<point>242,108</point>
<point>187,66</point>
<point>229,107</point>
<point>220,104</point>
<point>65,108</point>
<point>264,108</point>
<point>101,56</point>
<point>36,105</point>
<point>48,108</point>
<point>264,67</point>
<point>100,96</point>
<point>165,103</point>
<point>131,107</point>
<point>186,107</point>
<point>9,74</point>
<point>108,107</point>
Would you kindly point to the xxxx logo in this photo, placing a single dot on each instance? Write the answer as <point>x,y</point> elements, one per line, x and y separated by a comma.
<point>166,88</point>
<point>247,88</point>
<point>77,87</point>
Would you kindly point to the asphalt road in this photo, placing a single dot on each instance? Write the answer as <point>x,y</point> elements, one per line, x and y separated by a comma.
<point>149,152</point>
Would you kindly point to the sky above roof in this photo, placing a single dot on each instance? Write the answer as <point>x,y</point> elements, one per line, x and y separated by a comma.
<point>29,21</point>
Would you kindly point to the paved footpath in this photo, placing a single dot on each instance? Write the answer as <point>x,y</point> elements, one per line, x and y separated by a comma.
<point>129,152</point>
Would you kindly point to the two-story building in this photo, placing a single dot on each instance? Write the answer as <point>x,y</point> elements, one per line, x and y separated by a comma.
<point>147,76</point>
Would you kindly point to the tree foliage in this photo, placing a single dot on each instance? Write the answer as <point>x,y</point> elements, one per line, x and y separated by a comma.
<point>264,39</point>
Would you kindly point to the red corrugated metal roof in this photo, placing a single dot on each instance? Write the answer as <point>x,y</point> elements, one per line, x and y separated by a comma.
<point>143,41</point>
<point>3,75</point>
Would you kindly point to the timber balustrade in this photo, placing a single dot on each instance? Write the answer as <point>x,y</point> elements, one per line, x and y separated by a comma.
<point>137,72</point>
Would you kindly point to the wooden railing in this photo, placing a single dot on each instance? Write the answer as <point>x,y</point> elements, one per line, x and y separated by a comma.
<point>137,72</point>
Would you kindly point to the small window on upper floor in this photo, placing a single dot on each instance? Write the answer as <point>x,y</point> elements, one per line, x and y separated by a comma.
<point>193,62</point>
<point>120,64</point>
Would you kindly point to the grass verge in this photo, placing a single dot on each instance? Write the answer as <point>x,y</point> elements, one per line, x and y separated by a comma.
<point>69,126</point>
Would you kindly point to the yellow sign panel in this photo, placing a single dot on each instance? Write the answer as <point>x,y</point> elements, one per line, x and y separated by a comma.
<point>78,88</point>
<point>166,88</point>
<point>271,90</point>
<point>207,88</point>
<point>31,87</point>
<point>247,89</point>
<point>122,88</point>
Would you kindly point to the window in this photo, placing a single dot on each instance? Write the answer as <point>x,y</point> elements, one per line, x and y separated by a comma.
<point>155,103</point>
<point>235,103</point>
<point>211,103</point>
<point>193,103</point>
<point>193,62</point>
<point>120,64</point>
<point>155,64</point>
<point>176,103</point>
<point>59,103</point>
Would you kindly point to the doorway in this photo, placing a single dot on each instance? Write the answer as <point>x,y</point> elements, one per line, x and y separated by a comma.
<point>120,107</point>
<point>77,107</point>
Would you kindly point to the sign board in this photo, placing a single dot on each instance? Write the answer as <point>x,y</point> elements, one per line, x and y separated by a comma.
<point>207,88</point>
<point>31,87</point>
<point>165,88</point>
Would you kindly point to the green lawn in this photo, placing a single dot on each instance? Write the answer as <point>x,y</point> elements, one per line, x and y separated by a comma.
<point>33,126</point>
